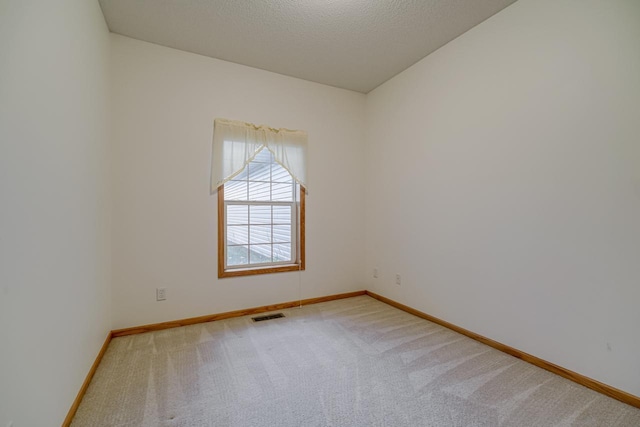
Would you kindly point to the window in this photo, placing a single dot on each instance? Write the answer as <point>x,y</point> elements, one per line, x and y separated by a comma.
<point>261,220</point>
<point>259,173</point>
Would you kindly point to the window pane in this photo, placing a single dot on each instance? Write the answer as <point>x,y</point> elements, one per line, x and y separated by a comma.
<point>242,176</point>
<point>282,252</point>
<point>237,214</point>
<point>260,234</point>
<point>260,214</point>
<point>259,191</point>
<point>279,174</point>
<point>259,172</point>
<point>237,235</point>
<point>282,192</point>
<point>281,233</point>
<point>235,190</point>
<point>237,255</point>
<point>282,214</point>
<point>264,156</point>
<point>259,254</point>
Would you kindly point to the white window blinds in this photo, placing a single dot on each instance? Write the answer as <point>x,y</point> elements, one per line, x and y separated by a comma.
<point>235,145</point>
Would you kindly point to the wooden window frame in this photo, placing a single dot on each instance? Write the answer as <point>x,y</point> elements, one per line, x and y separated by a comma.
<point>299,265</point>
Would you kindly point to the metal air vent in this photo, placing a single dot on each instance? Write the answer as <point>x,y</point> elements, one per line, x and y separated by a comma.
<point>267,317</point>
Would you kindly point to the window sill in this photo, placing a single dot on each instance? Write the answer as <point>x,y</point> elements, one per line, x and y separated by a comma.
<point>254,271</point>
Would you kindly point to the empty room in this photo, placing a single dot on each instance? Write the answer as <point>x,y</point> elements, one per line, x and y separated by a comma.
<point>319,213</point>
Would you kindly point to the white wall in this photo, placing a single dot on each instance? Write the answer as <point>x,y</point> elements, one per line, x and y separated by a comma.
<point>165,220</point>
<point>54,204</point>
<point>503,180</point>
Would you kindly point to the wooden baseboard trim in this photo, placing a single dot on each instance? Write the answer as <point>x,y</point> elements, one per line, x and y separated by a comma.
<point>229,314</point>
<point>551,367</point>
<point>85,384</point>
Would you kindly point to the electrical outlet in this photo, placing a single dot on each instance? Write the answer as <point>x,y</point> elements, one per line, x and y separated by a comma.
<point>375,273</point>
<point>161,294</point>
<point>398,279</point>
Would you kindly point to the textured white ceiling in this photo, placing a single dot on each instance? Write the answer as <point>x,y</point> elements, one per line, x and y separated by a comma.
<point>352,44</point>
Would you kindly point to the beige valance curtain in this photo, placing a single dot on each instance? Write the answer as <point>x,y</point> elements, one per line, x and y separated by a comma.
<point>235,144</point>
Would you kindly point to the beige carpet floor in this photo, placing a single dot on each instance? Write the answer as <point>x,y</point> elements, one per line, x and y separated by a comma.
<point>351,362</point>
